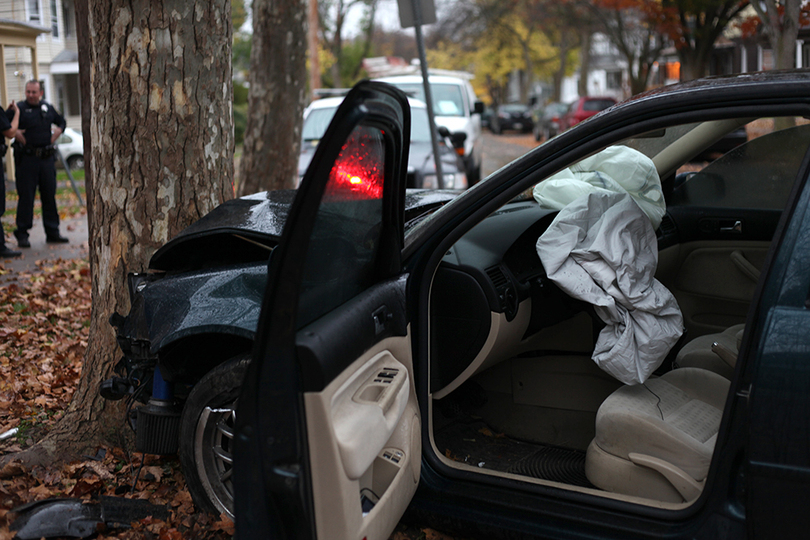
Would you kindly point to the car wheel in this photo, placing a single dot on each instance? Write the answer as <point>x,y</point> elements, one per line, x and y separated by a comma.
<point>206,436</point>
<point>75,162</point>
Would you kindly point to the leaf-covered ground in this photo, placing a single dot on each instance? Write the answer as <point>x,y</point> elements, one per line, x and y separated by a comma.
<point>44,325</point>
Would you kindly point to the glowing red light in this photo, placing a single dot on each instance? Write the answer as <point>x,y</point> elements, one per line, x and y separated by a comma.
<point>358,170</point>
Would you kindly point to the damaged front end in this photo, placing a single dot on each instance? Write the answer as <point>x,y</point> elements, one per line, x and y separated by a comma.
<point>157,421</point>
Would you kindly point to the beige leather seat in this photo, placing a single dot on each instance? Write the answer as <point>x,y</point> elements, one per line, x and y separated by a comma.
<point>656,440</point>
<point>698,352</point>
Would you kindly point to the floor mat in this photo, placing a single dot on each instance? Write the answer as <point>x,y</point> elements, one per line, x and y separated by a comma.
<point>556,464</point>
<point>474,443</point>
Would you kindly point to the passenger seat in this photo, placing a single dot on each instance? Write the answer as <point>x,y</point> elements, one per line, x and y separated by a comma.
<point>655,440</point>
<point>701,352</point>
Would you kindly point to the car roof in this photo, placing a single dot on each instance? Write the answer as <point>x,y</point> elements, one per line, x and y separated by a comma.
<point>333,102</point>
<point>418,78</point>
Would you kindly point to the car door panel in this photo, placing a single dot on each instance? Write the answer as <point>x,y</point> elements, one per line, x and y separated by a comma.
<point>713,281</point>
<point>365,445</point>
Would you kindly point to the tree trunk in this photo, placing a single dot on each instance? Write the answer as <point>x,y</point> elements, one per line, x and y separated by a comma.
<point>162,157</point>
<point>585,60</point>
<point>277,96</point>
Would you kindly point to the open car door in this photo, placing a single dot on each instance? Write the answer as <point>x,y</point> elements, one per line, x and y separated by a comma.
<point>327,438</point>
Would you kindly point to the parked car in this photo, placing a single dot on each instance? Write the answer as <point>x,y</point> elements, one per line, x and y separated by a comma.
<point>547,120</point>
<point>512,116</point>
<point>428,361</point>
<point>584,108</point>
<point>456,107</point>
<point>71,145</point>
<point>421,165</point>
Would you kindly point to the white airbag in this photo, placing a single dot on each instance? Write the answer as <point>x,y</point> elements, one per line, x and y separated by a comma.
<point>601,248</point>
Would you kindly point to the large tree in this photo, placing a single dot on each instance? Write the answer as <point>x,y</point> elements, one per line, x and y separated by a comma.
<point>700,23</point>
<point>639,29</point>
<point>157,101</point>
<point>278,83</point>
<point>779,21</point>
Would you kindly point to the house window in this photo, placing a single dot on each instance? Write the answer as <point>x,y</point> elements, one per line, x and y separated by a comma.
<point>613,80</point>
<point>34,14</point>
<point>54,20</point>
<point>767,60</point>
<point>67,20</point>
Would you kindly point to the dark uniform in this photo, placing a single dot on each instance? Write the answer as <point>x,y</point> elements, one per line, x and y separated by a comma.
<point>36,167</point>
<point>5,124</point>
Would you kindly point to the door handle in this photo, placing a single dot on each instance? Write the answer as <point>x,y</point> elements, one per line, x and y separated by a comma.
<point>736,227</point>
<point>381,318</point>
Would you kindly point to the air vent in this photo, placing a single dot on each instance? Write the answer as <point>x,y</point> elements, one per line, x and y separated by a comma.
<point>667,226</point>
<point>497,276</point>
<point>507,295</point>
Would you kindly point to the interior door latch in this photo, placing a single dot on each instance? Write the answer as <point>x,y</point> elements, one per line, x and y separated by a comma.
<point>381,318</point>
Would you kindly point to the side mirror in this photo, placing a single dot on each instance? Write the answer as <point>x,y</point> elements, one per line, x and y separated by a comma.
<point>478,107</point>
<point>443,131</point>
<point>458,139</point>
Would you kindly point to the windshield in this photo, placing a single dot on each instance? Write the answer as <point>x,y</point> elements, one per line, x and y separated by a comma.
<point>447,98</point>
<point>318,120</point>
<point>316,123</point>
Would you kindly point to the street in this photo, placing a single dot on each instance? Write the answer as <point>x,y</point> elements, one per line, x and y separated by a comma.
<point>500,150</point>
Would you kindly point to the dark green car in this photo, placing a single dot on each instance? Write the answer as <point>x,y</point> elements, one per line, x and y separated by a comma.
<point>444,372</point>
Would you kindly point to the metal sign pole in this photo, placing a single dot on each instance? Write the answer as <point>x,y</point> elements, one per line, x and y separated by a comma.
<point>417,19</point>
<point>70,176</point>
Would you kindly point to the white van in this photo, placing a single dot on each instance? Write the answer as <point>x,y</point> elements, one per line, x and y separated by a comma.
<point>455,107</point>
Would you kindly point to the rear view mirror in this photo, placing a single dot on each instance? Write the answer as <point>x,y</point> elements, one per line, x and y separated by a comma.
<point>478,107</point>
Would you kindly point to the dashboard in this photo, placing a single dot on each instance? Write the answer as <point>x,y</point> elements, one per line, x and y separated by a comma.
<point>490,294</point>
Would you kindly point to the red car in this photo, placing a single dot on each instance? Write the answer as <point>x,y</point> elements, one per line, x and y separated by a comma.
<point>583,108</point>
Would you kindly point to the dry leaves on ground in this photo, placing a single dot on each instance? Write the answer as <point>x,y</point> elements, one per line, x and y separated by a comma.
<point>44,326</point>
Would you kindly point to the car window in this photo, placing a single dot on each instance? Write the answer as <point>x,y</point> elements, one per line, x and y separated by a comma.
<point>63,139</point>
<point>447,98</point>
<point>316,123</point>
<point>756,174</point>
<point>420,127</point>
<point>342,251</point>
<point>596,104</point>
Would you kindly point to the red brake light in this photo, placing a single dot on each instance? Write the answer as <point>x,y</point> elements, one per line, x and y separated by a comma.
<point>358,170</point>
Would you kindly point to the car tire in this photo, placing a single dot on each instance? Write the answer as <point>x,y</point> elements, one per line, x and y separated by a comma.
<point>206,436</point>
<point>75,162</point>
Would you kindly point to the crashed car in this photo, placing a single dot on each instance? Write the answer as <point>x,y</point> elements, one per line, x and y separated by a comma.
<point>193,317</point>
<point>455,370</point>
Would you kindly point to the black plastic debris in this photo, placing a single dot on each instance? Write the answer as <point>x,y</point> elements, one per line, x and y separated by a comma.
<point>80,519</point>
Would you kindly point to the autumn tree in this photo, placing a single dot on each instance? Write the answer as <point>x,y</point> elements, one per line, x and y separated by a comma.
<point>278,82</point>
<point>779,21</point>
<point>158,107</point>
<point>639,29</point>
<point>347,57</point>
<point>493,39</point>
<point>700,23</point>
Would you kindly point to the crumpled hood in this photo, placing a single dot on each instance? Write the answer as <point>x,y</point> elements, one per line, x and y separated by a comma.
<point>246,229</point>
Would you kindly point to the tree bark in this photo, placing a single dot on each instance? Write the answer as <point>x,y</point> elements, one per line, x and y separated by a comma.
<point>162,157</point>
<point>277,96</point>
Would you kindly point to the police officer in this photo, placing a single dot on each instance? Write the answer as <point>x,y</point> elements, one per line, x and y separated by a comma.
<point>8,129</point>
<point>36,166</point>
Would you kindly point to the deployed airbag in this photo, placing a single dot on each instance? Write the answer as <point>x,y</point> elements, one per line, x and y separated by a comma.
<point>601,248</point>
<point>616,169</point>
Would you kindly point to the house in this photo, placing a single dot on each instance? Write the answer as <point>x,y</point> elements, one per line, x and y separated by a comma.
<point>53,23</point>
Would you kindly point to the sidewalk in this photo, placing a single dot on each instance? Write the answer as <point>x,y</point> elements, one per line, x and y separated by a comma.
<point>75,229</point>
